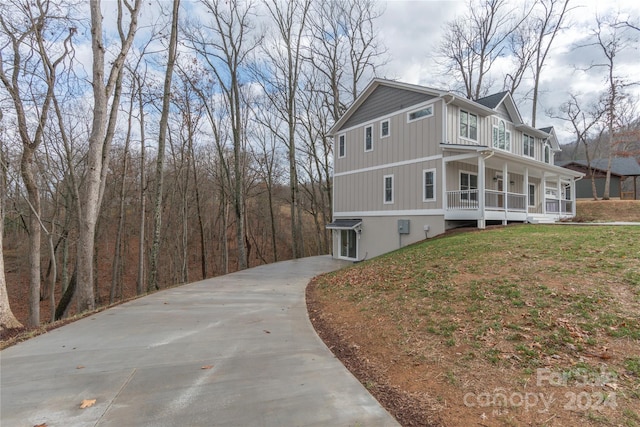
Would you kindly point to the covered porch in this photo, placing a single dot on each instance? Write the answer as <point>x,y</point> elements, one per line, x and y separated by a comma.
<point>483,184</point>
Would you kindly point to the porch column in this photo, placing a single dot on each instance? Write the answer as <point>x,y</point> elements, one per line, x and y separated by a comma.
<point>445,201</point>
<point>526,190</point>
<point>560,195</point>
<point>481,188</point>
<point>543,189</point>
<point>505,187</point>
<point>574,198</point>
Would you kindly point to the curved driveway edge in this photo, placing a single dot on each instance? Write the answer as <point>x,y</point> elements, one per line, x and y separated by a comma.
<point>235,350</point>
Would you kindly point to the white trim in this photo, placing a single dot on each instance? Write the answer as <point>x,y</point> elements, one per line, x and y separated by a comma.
<point>342,136</point>
<point>389,165</point>
<point>424,184</point>
<point>419,109</point>
<point>388,121</point>
<point>406,212</point>
<point>384,190</point>
<point>365,138</point>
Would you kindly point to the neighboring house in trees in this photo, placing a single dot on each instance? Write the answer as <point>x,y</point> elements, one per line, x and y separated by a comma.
<point>622,168</point>
<point>411,162</point>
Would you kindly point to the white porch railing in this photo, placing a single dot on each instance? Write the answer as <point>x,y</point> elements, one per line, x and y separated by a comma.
<point>462,200</point>
<point>558,206</point>
<point>493,200</point>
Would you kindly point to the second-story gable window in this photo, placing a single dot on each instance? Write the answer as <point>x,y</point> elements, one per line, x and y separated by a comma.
<point>529,145</point>
<point>468,125</point>
<point>342,149</point>
<point>385,130</point>
<point>501,137</point>
<point>420,114</point>
<point>547,153</point>
<point>368,138</point>
<point>388,189</point>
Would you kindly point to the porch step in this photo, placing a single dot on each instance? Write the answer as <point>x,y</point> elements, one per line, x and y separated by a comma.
<point>540,220</point>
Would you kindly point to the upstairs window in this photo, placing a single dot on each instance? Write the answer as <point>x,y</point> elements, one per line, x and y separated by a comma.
<point>429,185</point>
<point>420,114</point>
<point>529,146</point>
<point>388,189</point>
<point>501,137</point>
<point>468,125</point>
<point>384,129</point>
<point>368,138</point>
<point>341,146</point>
<point>547,153</point>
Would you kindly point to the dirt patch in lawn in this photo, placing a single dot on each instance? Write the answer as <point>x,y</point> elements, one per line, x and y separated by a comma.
<point>526,325</point>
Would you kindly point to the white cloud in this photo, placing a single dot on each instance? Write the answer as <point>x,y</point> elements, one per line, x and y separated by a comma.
<point>411,30</point>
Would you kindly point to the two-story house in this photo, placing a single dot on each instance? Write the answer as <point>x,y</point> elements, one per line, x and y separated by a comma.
<point>411,162</point>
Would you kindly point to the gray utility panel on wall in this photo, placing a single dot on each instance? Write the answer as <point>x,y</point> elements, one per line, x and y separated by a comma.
<point>403,226</point>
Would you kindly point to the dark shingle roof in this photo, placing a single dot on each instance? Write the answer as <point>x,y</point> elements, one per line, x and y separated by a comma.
<point>492,101</point>
<point>623,166</point>
<point>547,129</point>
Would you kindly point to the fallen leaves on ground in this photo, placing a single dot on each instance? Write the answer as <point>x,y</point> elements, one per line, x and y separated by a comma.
<point>87,403</point>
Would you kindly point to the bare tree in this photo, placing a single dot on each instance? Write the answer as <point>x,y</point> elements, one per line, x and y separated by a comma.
<point>583,123</point>
<point>164,117</point>
<point>345,50</point>
<point>546,26</point>
<point>473,42</point>
<point>30,24</point>
<point>224,43</point>
<point>612,41</point>
<point>102,129</point>
<point>279,76</point>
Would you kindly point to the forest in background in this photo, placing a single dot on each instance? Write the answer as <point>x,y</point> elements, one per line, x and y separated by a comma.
<point>148,144</point>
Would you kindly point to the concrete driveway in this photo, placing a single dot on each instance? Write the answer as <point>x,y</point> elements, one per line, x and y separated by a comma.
<point>236,350</point>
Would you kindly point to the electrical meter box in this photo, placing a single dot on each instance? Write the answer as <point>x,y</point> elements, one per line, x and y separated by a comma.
<point>403,226</point>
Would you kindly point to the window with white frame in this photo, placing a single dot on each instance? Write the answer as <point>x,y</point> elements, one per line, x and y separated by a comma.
<point>368,138</point>
<point>468,186</point>
<point>529,143</point>
<point>468,125</point>
<point>547,153</point>
<point>429,185</point>
<point>385,130</point>
<point>342,149</point>
<point>420,114</point>
<point>501,137</point>
<point>388,189</point>
<point>532,194</point>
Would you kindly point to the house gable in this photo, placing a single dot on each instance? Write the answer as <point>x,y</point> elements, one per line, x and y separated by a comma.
<point>504,106</point>
<point>383,101</point>
<point>381,98</point>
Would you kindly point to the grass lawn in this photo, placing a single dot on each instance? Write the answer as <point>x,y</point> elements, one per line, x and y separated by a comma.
<point>520,325</point>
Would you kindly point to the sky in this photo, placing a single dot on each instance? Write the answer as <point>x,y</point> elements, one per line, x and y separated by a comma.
<point>411,31</point>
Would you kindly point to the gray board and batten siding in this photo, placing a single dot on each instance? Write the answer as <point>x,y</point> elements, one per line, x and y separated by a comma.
<point>384,101</point>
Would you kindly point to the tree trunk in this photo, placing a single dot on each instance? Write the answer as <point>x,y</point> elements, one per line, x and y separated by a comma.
<point>35,234</point>
<point>7,319</point>
<point>143,200</point>
<point>164,119</point>
<point>99,143</point>
<point>116,276</point>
